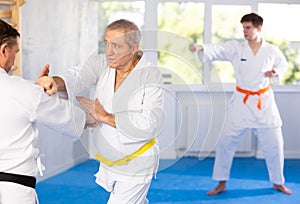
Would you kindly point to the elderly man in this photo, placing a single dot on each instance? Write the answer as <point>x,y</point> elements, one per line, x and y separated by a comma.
<point>129,106</point>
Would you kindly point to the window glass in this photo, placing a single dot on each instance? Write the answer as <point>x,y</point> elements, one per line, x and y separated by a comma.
<point>226,26</point>
<point>280,28</point>
<point>179,25</point>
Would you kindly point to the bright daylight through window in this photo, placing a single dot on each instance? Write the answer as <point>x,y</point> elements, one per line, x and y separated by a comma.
<point>177,24</point>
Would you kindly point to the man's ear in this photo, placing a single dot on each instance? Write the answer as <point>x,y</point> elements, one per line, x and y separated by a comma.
<point>135,48</point>
<point>259,28</point>
<point>3,49</point>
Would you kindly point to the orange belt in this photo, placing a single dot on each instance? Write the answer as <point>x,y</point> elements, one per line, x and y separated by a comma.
<point>248,93</point>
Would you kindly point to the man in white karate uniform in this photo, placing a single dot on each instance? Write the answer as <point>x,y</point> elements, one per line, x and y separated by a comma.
<point>255,63</point>
<point>129,106</point>
<point>22,105</point>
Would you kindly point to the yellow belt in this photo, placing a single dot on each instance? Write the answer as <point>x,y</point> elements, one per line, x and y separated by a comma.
<point>128,158</point>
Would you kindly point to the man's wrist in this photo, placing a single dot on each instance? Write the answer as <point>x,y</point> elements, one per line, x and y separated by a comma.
<point>199,48</point>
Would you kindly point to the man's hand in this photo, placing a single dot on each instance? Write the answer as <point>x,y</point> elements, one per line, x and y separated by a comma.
<point>97,110</point>
<point>45,71</point>
<point>194,48</point>
<point>93,107</point>
<point>271,73</point>
<point>89,105</point>
<point>48,83</point>
<point>90,122</point>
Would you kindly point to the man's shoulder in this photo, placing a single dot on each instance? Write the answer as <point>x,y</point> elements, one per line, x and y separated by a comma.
<point>271,46</point>
<point>20,90</point>
<point>149,67</point>
<point>23,86</point>
<point>97,61</point>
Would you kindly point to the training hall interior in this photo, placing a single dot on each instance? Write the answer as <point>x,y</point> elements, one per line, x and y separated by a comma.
<point>65,33</point>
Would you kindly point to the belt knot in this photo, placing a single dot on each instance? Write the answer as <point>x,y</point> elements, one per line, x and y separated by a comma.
<point>249,92</point>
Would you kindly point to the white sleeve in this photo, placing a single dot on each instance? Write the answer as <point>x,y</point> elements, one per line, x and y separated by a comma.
<point>280,65</point>
<point>223,52</point>
<point>82,77</point>
<point>60,115</point>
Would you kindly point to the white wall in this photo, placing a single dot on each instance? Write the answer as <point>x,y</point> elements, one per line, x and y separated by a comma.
<point>62,34</point>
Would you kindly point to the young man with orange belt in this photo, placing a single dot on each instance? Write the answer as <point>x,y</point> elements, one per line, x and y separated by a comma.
<point>253,105</point>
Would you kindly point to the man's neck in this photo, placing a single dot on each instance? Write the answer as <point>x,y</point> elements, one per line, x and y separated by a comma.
<point>6,70</point>
<point>255,42</point>
<point>255,45</point>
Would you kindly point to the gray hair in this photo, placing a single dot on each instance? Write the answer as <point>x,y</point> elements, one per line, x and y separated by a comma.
<point>130,29</point>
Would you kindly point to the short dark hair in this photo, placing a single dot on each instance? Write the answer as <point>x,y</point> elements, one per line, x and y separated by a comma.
<point>254,18</point>
<point>130,29</point>
<point>8,34</point>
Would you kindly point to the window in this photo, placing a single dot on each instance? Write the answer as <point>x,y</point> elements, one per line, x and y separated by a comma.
<point>180,22</point>
<point>179,25</point>
<point>225,26</point>
<point>280,28</point>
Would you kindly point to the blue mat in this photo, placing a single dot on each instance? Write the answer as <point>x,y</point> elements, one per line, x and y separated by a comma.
<point>185,182</point>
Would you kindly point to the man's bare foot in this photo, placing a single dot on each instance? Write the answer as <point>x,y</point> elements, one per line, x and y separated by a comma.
<point>221,188</point>
<point>282,189</point>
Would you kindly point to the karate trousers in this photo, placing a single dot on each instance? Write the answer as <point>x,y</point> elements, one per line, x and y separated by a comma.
<point>13,193</point>
<point>271,142</point>
<point>129,193</point>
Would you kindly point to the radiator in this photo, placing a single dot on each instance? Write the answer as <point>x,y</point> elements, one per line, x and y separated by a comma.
<point>202,130</point>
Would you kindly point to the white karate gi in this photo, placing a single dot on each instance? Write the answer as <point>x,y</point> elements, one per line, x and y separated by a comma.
<point>137,105</point>
<point>22,105</point>
<point>249,72</point>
